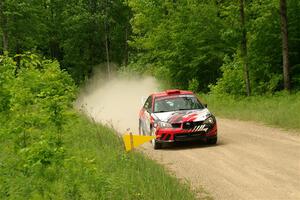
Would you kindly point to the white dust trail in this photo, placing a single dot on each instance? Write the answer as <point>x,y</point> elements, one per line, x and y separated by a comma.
<point>116,102</point>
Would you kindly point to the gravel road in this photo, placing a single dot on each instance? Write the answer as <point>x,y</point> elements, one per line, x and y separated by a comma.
<point>251,161</point>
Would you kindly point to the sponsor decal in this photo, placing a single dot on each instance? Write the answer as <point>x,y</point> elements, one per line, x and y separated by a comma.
<point>200,128</point>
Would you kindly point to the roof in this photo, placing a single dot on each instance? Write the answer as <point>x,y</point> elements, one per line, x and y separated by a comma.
<point>171,92</point>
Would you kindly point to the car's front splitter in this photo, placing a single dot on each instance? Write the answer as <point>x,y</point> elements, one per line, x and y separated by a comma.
<point>172,135</point>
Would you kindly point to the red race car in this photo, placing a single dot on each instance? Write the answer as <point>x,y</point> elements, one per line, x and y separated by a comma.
<point>176,115</point>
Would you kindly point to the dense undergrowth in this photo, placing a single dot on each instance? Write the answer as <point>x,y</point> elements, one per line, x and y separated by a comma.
<point>94,166</point>
<point>49,151</point>
<point>280,109</point>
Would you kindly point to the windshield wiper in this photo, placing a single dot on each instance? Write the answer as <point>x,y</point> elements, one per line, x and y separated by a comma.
<point>185,109</point>
<point>161,111</point>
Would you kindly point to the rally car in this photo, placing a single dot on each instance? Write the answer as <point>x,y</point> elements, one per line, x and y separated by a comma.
<point>176,115</point>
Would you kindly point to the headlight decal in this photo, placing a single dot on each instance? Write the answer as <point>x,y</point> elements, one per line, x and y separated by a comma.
<point>164,125</point>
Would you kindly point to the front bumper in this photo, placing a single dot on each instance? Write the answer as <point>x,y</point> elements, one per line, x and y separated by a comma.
<point>178,134</point>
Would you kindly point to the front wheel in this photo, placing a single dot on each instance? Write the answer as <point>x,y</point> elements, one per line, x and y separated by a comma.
<point>212,141</point>
<point>156,144</point>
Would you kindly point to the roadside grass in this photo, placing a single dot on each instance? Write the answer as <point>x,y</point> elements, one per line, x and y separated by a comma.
<point>281,109</point>
<point>125,175</point>
<point>95,167</point>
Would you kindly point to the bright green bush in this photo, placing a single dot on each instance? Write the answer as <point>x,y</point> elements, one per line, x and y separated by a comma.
<point>193,85</point>
<point>232,81</point>
<point>7,70</point>
<point>262,79</point>
<point>35,98</point>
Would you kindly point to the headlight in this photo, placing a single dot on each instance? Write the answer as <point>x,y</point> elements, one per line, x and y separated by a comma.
<point>164,125</point>
<point>210,120</point>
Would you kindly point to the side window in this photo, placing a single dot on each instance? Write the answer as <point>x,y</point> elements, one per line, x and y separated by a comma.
<point>148,104</point>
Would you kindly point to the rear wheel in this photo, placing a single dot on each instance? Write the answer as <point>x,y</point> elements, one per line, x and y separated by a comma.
<point>212,140</point>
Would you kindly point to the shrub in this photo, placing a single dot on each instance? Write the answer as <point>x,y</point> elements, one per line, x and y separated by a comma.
<point>193,85</point>
<point>232,81</point>
<point>35,98</point>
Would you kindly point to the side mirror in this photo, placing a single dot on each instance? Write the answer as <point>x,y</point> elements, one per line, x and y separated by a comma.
<point>205,105</point>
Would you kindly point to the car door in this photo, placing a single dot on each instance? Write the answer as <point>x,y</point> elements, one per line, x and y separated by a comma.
<point>146,116</point>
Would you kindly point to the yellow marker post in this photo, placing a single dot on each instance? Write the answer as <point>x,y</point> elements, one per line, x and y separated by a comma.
<point>132,141</point>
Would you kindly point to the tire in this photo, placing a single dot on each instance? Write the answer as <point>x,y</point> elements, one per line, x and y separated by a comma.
<point>156,145</point>
<point>212,141</point>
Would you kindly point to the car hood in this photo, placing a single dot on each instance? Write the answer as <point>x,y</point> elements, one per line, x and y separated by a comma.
<point>182,116</point>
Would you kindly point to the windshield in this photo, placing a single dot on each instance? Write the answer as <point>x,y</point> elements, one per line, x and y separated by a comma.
<point>175,103</point>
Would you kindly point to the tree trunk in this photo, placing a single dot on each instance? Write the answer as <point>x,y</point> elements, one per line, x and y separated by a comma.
<point>107,55</point>
<point>244,49</point>
<point>5,40</point>
<point>285,46</point>
<point>3,22</point>
<point>126,46</point>
<point>107,50</point>
<point>53,41</point>
<point>107,40</point>
<point>217,3</point>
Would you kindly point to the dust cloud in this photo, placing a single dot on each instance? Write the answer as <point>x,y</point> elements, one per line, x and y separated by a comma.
<point>115,102</point>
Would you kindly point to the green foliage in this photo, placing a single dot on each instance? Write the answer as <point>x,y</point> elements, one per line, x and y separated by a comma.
<point>23,24</point>
<point>37,96</point>
<point>193,85</point>
<point>7,70</point>
<point>232,81</point>
<point>40,95</point>
<point>265,58</point>
<point>264,47</point>
<point>73,32</point>
<point>178,41</point>
<point>182,40</point>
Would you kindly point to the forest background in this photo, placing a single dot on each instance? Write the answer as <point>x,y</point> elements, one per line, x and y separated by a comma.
<point>242,57</point>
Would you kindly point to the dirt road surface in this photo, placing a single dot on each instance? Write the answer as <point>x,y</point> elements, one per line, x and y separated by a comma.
<point>250,161</point>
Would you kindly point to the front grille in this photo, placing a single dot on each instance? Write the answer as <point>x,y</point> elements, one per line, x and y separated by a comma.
<point>168,137</point>
<point>165,136</point>
<point>176,125</point>
<point>192,135</point>
<point>191,125</point>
